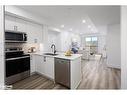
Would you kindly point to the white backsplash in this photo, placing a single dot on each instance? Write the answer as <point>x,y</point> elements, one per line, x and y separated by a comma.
<point>11,45</point>
<point>24,46</point>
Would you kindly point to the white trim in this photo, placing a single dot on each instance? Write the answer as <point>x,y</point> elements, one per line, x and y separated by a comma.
<point>124,47</point>
<point>2,73</point>
<point>113,66</point>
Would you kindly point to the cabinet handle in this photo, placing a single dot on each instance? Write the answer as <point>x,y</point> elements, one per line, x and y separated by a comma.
<point>44,58</point>
<point>31,58</point>
<point>16,28</point>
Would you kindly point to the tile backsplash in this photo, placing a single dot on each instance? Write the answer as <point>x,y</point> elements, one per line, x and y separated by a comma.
<point>11,45</point>
<point>24,46</point>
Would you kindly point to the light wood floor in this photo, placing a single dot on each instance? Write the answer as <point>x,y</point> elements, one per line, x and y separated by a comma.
<point>37,81</point>
<point>96,75</point>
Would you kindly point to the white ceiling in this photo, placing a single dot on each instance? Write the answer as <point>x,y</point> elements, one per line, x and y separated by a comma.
<point>72,16</point>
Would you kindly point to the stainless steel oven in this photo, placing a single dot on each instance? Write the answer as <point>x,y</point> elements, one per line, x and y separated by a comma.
<point>17,66</point>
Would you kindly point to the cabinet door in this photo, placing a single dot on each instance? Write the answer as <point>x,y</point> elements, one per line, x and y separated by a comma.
<point>40,65</point>
<point>32,64</point>
<point>21,25</point>
<point>31,32</point>
<point>49,67</point>
<point>34,32</point>
<point>10,22</point>
<point>14,23</point>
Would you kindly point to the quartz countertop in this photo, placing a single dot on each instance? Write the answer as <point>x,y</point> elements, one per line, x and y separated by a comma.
<point>60,55</point>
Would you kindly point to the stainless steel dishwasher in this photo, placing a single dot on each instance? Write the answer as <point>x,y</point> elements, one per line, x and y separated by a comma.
<point>62,71</point>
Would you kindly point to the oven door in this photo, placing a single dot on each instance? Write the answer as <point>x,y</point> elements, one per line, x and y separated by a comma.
<point>17,65</point>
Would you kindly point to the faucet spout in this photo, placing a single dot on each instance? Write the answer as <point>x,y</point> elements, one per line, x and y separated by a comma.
<point>53,48</point>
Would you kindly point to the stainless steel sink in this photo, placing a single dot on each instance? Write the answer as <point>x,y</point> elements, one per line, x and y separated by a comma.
<point>50,54</point>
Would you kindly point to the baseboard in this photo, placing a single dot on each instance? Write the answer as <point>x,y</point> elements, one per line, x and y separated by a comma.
<point>111,66</point>
<point>32,73</point>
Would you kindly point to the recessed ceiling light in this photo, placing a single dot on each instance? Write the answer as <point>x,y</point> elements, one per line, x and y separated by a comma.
<point>83,21</point>
<point>89,26</point>
<point>56,29</point>
<point>70,29</point>
<point>62,26</point>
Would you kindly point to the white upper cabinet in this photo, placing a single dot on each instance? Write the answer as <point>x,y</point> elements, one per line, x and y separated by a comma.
<point>21,25</point>
<point>16,24</point>
<point>34,32</point>
<point>10,23</point>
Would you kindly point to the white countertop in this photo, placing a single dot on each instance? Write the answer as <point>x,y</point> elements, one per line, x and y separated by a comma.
<point>60,55</point>
<point>72,57</point>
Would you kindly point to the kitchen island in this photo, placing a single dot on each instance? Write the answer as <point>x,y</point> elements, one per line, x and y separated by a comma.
<point>65,70</point>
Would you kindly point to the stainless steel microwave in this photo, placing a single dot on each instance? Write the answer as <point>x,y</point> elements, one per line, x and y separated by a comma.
<point>12,36</point>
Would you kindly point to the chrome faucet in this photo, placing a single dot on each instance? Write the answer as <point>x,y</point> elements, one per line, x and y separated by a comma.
<point>53,48</point>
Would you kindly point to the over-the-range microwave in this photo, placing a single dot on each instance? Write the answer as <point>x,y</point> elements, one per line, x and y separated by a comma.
<point>15,36</point>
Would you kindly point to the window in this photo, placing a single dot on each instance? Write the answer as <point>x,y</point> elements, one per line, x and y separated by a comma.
<point>88,39</point>
<point>91,41</point>
<point>94,39</point>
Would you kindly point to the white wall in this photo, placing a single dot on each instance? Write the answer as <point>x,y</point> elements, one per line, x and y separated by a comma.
<point>1,47</point>
<point>124,47</point>
<point>62,40</point>
<point>113,46</point>
<point>102,44</point>
<point>66,39</point>
<point>53,38</point>
<point>45,38</point>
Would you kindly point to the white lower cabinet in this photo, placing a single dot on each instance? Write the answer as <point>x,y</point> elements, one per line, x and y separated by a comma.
<point>39,64</point>
<point>49,67</point>
<point>32,64</point>
<point>43,65</point>
<point>76,74</point>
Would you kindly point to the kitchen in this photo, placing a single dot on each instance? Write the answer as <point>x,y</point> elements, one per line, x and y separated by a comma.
<point>35,46</point>
<point>42,63</point>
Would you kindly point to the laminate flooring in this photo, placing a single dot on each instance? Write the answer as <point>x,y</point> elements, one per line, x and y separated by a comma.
<point>95,75</point>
